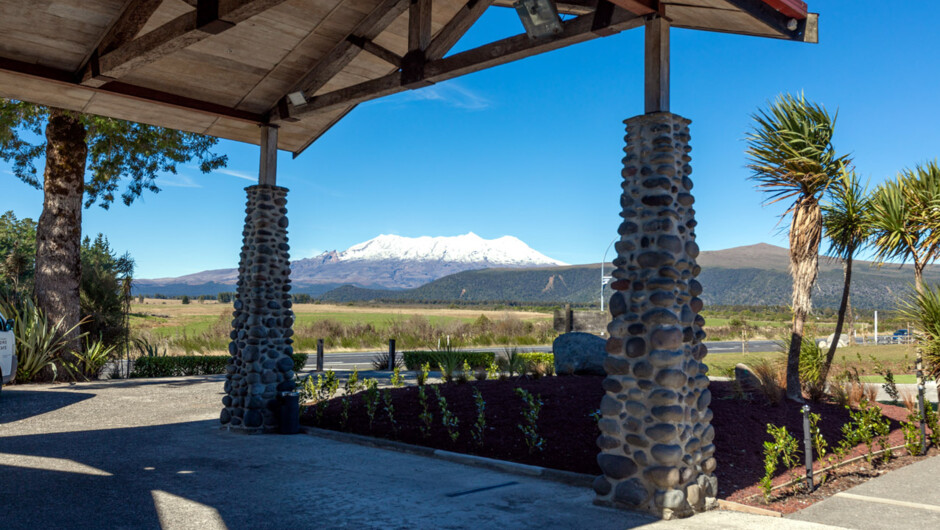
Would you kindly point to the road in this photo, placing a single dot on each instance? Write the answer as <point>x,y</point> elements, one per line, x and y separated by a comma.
<point>363,360</point>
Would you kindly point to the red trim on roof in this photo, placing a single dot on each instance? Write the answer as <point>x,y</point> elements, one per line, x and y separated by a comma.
<point>791,8</point>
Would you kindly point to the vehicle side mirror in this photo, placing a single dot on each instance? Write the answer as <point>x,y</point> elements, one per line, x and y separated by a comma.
<point>9,325</point>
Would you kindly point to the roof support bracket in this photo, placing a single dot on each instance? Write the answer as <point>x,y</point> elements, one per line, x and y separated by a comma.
<point>656,79</point>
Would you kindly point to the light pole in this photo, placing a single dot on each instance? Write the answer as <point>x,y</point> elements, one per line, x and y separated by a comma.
<point>605,279</point>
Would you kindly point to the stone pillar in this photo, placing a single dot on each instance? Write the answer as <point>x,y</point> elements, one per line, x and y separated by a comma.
<point>656,438</point>
<point>261,363</point>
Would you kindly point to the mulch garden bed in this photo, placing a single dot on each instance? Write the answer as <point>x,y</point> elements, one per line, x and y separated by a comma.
<point>570,431</point>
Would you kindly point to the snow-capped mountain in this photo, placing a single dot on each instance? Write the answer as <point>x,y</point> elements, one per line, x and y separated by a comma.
<point>506,251</point>
<point>387,261</point>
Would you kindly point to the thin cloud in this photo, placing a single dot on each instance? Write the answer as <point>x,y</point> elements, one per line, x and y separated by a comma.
<point>451,94</point>
<point>237,174</point>
<point>177,181</point>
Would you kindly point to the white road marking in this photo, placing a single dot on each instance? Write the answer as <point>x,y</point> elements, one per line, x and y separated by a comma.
<point>919,506</point>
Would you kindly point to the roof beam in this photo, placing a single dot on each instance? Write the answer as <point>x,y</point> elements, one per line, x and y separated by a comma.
<point>576,30</point>
<point>456,28</point>
<point>211,17</point>
<point>67,79</point>
<point>773,19</point>
<point>345,51</point>
<point>128,24</point>
<point>381,52</point>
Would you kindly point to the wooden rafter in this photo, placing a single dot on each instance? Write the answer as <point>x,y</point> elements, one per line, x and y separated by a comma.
<point>345,51</point>
<point>210,18</point>
<point>576,30</point>
<point>772,18</point>
<point>381,52</point>
<point>128,24</point>
<point>456,28</point>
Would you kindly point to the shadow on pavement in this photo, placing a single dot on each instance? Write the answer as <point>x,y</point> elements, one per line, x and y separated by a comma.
<point>17,404</point>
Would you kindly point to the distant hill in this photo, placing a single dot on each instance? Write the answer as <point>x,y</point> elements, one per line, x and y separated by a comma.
<point>750,275</point>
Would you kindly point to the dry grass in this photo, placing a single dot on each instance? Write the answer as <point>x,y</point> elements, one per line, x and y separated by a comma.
<point>910,400</point>
<point>772,378</point>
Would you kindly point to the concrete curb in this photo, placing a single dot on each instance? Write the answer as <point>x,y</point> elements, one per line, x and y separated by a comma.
<point>565,477</point>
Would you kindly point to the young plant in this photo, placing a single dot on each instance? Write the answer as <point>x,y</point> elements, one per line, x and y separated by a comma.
<point>389,409</point>
<point>911,433</point>
<point>492,371</point>
<point>448,363</point>
<point>890,387</point>
<point>423,374</point>
<point>530,416</point>
<point>344,413</point>
<point>448,420</point>
<point>479,427</point>
<point>426,417</point>
<point>463,375</point>
<point>397,380</point>
<point>867,426</point>
<point>480,374</point>
<point>371,399</point>
<point>785,448</point>
<point>819,443</point>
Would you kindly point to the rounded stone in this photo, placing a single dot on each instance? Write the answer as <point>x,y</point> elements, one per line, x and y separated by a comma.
<point>602,486</point>
<point>704,400</point>
<point>609,426</point>
<point>691,249</point>
<point>665,357</point>
<point>667,454</point>
<point>285,364</point>
<point>635,347</point>
<point>610,406</point>
<point>673,499</point>
<point>708,434</point>
<point>671,378</point>
<point>634,409</point>
<point>253,418</point>
<point>657,200</point>
<point>607,442</point>
<point>663,396</point>
<point>634,441</point>
<point>695,288</point>
<point>614,346</point>
<point>652,259</point>
<point>709,465</point>
<point>669,243</point>
<point>693,494</point>
<point>669,413</point>
<point>612,385</point>
<point>662,476</point>
<point>662,298</point>
<point>660,316</point>
<point>661,432</point>
<point>225,417</point>
<point>666,338</point>
<point>643,369</point>
<point>618,328</point>
<point>616,466</point>
<point>631,492</point>
<point>618,304</point>
<point>616,365</point>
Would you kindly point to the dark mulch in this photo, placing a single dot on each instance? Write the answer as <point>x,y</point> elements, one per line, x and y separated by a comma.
<point>570,432</point>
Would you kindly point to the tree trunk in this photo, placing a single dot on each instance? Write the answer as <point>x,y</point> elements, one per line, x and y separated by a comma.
<point>805,234</point>
<point>59,234</point>
<point>843,306</point>
<point>919,276</point>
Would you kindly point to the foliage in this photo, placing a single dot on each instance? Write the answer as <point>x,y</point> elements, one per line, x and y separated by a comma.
<point>535,358</point>
<point>530,416</point>
<point>371,399</point>
<point>39,341</point>
<point>492,370</point>
<point>89,362</point>
<point>889,386</point>
<point>465,372</point>
<point>867,425</point>
<point>514,363</point>
<point>397,380</point>
<point>17,253</point>
<point>147,348</point>
<point>448,420</point>
<point>389,409</point>
<point>184,365</point>
<point>414,359</point>
<point>911,431</point>
<point>904,221</point>
<point>769,374</point>
<point>932,423</point>
<point>785,448</point>
<point>819,442</point>
<point>380,361</point>
<point>116,150</point>
<point>425,416</point>
<point>479,427</point>
<point>105,290</point>
<point>423,373</point>
<point>923,307</point>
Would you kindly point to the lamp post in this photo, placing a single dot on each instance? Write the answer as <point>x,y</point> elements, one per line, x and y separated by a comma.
<point>605,279</point>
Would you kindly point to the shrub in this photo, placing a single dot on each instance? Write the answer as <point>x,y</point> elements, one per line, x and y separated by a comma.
<point>477,359</point>
<point>89,362</point>
<point>380,361</point>
<point>783,447</point>
<point>39,341</point>
<point>535,358</point>
<point>530,416</point>
<point>771,380</point>
<point>191,365</point>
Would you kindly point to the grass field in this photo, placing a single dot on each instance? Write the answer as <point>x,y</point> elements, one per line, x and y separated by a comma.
<point>898,358</point>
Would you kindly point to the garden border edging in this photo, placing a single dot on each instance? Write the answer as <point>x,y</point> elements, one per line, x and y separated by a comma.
<point>555,475</point>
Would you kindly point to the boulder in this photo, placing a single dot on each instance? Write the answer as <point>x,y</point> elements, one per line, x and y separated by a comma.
<point>827,342</point>
<point>579,353</point>
<point>746,378</point>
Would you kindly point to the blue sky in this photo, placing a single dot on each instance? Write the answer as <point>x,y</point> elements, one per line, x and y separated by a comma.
<point>533,148</point>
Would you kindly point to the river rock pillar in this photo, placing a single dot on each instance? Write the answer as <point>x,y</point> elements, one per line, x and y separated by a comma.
<point>261,365</point>
<point>656,439</point>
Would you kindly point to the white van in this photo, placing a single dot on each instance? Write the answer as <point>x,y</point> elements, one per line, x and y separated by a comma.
<point>7,351</point>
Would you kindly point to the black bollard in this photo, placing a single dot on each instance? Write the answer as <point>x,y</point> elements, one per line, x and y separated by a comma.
<point>319,355</point>
<point>391,354</point>
<point>289,413</point>
<point>808,448</point>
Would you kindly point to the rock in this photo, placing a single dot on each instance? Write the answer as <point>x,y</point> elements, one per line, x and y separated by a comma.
<point>579,353</point>
<point>631,492</point>
<point>745,378</point>
<point>616,466</point>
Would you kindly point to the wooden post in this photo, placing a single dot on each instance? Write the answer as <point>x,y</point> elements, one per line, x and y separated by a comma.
<point>319,355</point>
<point>391,354</point>
<point>267,174</point>
<point>569,320</point>
<point>657,65</point>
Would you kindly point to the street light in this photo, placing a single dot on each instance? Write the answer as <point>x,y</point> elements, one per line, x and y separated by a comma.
<point>539,17</point>
<point>605,279</point>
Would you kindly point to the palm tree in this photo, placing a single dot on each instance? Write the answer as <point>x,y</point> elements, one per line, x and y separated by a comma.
<point>905,219</point>
<point>847,225</point>
<point>792,158</point>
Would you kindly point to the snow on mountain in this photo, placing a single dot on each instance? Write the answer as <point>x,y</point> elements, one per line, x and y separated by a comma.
<point>506,251</point>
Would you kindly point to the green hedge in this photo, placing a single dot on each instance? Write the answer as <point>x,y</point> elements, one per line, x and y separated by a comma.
<point>192,365</point>
<point>537,357</point>
<point>477,359</point>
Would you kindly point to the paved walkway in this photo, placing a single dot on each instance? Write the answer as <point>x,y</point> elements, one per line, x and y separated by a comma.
<point>149,454</point>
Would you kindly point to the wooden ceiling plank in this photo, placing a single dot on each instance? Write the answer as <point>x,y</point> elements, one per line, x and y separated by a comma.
<point>579,29</point>
<point>455,29</point>
<point>179,33</point>
<point>776,21</point>
<point>638,7</point>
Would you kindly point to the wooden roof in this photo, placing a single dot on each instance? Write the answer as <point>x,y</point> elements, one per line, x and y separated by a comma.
<point>222,67</point>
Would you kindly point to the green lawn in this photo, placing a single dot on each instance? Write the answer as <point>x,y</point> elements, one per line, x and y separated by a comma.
<point>898,358</point>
